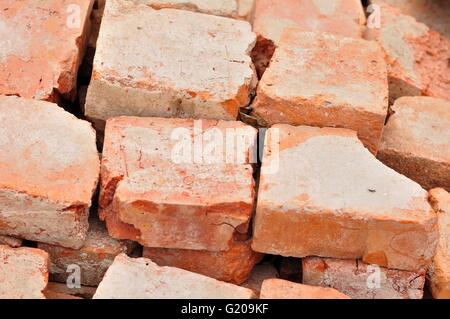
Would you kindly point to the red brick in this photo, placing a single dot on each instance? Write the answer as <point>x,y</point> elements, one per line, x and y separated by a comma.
<point>330,197</point>
<point>283,289</point>
<point>416,140</point>
<point>323,80</point>
<point>41,48</point>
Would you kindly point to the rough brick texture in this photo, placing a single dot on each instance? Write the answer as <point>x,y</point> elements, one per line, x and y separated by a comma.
<point>327,81</point>
<point>141,278</point>
<point>159,77</point>
<point>41,47</point>
<point>361,281</point>
<point>330,197</point>
<point>283,289</point>
<point>23,273</point>
<point>439,271</point>
<point>10,241</point>
<point>49,169</point>
<point>416,140</point>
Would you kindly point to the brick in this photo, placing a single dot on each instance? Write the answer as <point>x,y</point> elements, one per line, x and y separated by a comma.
<point>283,289</point>
<point>345,202</point>
<point>141,278</point>
<point>432,13</point>
<point>361,281</point>
<point>416,140</point>
<point>439,271</point>
<point>271,17</point>
<point>259,274</point>
<point>331,82</point>
<point>23,273</point>
<point>234,265</point>
<point>56,290</point>
<point>226,8</point>
<point>150,196</point>
<point>162,79</point>
<point>417,57</point>
<point>42,43</point>
<point>49,166</point>
<point>94,258</point>
<point>10,241</point>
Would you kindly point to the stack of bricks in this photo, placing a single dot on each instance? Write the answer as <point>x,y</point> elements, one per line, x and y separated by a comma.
<point>156,190</point>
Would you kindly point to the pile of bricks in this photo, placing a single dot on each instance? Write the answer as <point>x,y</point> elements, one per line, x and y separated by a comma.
<point>289,149</point>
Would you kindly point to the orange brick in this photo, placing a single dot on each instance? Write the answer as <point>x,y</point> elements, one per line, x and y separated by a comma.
<point>233,265</point>
<point>417,57</point>
<point>439,271</point>
<point>283,289</point>
<point>259,274</point>
<point>416,141</point>
<point>323,80</point>
<point>321,193</point>
<point>42,45</point>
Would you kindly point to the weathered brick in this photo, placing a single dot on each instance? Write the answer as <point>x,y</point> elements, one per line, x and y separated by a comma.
<point>141,278</point>
<point>434,13</point>
<point>271,17</point>
<point>323,194</point>
<point>41,47</point>
<point>283,289</point>
<point>10,241</point>
<point>361,281</point>
<point>417,57</point>
<point>240,9</point>
<point>23,273</point>
<point>323,80</point>
<point>151,196</point>
<point>234,265</point>
<point>162,78</point>
<point>439,271</point>
<point>416,140</point>
<point>49,169</point>
<point>94,258</point>
<point>259,274</point>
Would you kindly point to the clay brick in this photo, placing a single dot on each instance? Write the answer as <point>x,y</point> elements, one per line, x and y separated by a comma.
<point>49,166</point>
<point>42,46</point>
<point>323,194</point>
<point>234,265</point>
<point>161,78</point>
<point>439,271</point>
<point>23,273</point>
<point>323,80</point>
<point>361,281</point>
<point>258,275</point>
<point>93,258</point>
<point>430,12</point>
<point>240,9</point>
<point>283,289</point>
<point>417,57</point>
<point>416,141</point>
<point>141,278</point>
<point>271,17</point>
<point>10,241</point>
<point>149,196</point>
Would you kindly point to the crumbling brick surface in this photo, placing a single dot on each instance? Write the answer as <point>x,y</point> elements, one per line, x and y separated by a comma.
<point>234,265</point>
<point>150,196</point>
<point>416,140</point>
<point>327,81</point>
<point>23,273</point>
<point>162,78</point>
<point>49,169</point>
<point>141,278</point>
<point>439,271</point>
<point>347,204</point>
<point>417,56</point>
<point>283,289</point>
<point>361,281</point>
<point>94,258</point>
<point>42,45</point>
